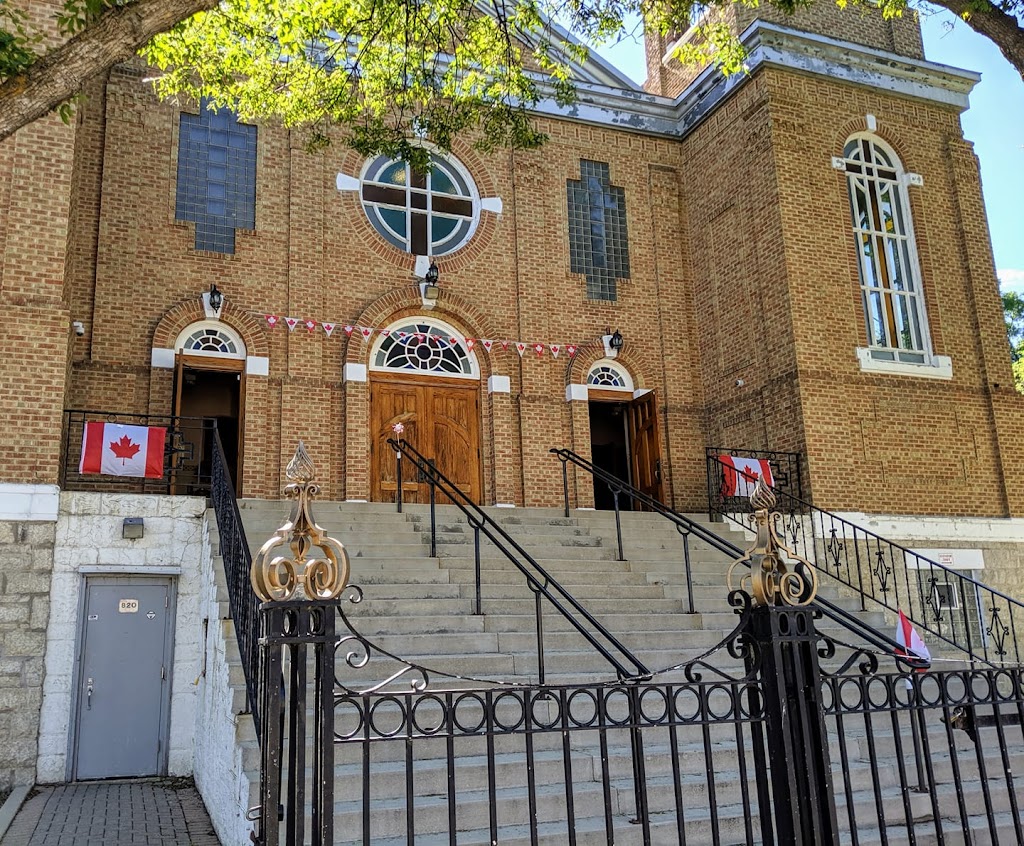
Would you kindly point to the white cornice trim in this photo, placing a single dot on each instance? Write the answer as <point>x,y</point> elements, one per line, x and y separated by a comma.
<point>768,45</point>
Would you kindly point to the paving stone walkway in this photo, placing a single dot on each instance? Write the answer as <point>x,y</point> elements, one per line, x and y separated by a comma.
<point>145,812</point>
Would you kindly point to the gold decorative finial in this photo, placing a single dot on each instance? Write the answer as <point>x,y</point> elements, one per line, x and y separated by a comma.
<point>771,582</point>
<point>300,468</point>
<point>320,578</point>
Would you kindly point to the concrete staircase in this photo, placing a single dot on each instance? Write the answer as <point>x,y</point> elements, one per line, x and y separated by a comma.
<point>421,609</point>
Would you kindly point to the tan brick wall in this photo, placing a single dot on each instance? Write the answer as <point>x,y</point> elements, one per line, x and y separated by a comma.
<point>742,311</point>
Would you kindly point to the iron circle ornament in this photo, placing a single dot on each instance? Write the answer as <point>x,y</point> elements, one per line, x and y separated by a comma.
<point>512,703</point>
<point>583,708</point>
<point>281,577</point>
<point>429,714</point>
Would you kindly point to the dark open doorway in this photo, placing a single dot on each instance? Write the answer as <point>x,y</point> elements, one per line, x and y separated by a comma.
<point>609,448</point>
<point>213,394</point>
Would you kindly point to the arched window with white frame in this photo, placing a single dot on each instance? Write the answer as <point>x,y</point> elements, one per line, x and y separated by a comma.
<point>424,346</point>
<point>210,338</point>
<point>890,276</point>
<point>608,375</point>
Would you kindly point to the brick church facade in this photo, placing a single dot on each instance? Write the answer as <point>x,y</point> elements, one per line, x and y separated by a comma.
<point>796,259</point>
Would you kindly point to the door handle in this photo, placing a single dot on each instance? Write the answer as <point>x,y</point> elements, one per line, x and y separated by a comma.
<point>88,694</point>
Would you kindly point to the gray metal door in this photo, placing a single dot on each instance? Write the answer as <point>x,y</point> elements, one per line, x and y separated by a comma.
<point>124,678</point>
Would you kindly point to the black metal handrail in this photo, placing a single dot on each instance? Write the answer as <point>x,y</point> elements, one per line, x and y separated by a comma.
<point>540,582</point>
<point>685,526</point>
<point>234,550</point>
<point>968,615</point>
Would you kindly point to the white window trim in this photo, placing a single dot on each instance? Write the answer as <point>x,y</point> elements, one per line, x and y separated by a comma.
<point>934,366</point>
<point>218,326</point>
<point>444,329</point>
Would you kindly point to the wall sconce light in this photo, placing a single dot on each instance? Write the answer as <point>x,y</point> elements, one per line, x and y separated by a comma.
<point>612,344</point>
<point>429,289</point>
<point>132,528</point>
<point>216,298</point>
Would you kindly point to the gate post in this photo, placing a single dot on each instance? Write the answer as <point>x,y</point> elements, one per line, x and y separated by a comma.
<point>300,601</point>
<point>798,775</point>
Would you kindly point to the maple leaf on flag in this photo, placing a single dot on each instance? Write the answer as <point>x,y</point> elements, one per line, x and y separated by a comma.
<point>124,448</point>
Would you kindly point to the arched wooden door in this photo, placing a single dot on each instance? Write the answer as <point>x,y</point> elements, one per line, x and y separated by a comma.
<point>441,419</point>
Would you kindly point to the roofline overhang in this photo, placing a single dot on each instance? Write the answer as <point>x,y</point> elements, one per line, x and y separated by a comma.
<point>767,45</point>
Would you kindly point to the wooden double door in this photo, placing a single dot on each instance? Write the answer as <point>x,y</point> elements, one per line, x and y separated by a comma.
<point>624,443</point>
<point>441,419</point>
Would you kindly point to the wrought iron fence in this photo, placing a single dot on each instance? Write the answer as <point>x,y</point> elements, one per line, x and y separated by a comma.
<point>187,458</point>
<point>785,469</point>
<point>978,621</point>
<point>237,558</point>
<point>752,743</point>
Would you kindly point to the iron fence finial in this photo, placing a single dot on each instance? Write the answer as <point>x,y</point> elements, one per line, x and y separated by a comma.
<point>279,578</point>
<point>771,582</point>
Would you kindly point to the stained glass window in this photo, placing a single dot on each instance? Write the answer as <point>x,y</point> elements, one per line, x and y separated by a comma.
<point>424,347</point>
<point>598,242</point>
<point>889,277</point>
<point>426,214</point>
<point>216,187</point>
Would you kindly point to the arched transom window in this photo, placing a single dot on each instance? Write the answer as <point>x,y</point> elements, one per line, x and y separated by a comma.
<point>426,214</point>
<point>890,280</point>
<point>210,338</point>
<point>608,375</point>
<point>424,347</point>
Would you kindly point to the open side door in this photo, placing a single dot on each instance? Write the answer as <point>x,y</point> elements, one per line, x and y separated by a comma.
<point>645,445</point>
<point>179,367</point>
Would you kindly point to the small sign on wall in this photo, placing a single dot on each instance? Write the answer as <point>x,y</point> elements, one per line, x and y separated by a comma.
<point>954,559</point>
<point>128,606</point>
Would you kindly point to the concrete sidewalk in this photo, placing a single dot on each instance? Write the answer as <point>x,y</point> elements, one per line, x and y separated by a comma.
<point>138,812</point>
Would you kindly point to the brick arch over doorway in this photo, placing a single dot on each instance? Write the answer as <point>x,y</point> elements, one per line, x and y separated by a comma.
<point>494,408</point>
<point>255,480</point>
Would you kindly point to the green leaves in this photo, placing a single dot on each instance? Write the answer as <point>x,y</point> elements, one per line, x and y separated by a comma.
<point>1013,312</point>
<point>387,71</point>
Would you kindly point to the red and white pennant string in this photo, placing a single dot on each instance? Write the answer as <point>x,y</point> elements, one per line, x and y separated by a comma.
<point>367,332</point>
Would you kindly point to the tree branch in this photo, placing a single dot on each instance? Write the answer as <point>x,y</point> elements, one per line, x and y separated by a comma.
<point>1002,29</point>
<point>114,37</point>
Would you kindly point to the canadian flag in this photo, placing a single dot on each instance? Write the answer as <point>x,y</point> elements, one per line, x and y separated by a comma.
<point>328,328</point>
<point>741,474</point>
<point>910,643</point>
<point>116,450</point>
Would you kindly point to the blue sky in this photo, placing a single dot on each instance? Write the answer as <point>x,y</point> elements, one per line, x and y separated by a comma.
<point>994,123</point>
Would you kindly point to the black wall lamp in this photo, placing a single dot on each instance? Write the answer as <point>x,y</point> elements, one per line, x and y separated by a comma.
<point>216,298</point>
<point>430,290</point>
<point>616,341</point>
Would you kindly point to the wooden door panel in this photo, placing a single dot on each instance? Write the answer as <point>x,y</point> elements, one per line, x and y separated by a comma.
<point>455,422</point>
<point>442,422</point>
<point>645,445</point>
<point>393,403</point>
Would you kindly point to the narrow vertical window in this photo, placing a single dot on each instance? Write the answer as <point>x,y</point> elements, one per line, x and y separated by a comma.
<point>216,187</point>
<point>598,244</point>
<point>889,277</point>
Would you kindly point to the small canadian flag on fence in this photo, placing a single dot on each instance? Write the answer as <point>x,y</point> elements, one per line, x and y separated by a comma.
<point>910,643</point>
<point>117,450</point>
<point>741,474</point>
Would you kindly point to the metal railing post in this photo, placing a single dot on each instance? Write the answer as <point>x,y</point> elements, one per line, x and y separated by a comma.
<point>476,565</point>
<point>618,522</point>
<point>539,611</point>
<point>565,486</point>
<point>398,478</point>
<point>689,575</point>
<point>433,519</point>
